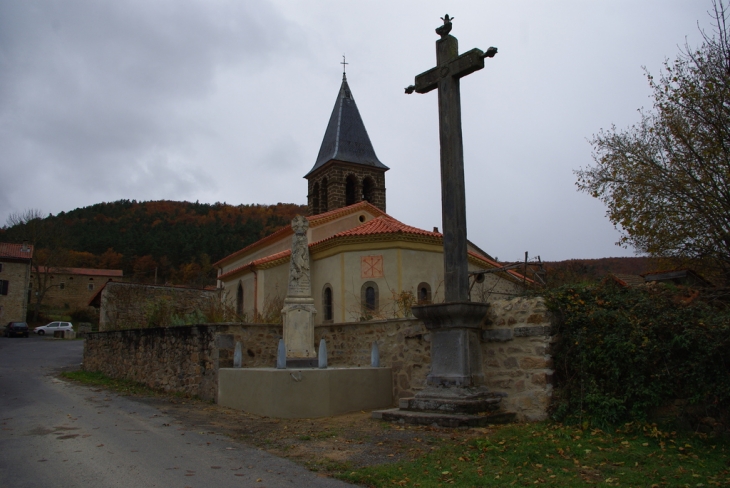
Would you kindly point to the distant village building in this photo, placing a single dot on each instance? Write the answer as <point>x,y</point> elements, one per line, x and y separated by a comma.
<point>72,288</point>
<point>365,264</point>
<point>15,261</point>
<point>684,277</point>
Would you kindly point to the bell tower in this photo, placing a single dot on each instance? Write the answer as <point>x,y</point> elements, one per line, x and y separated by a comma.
<point>347,171</point>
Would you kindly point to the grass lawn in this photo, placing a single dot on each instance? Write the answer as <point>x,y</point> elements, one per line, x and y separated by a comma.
<point>556,455</point>
<point>513,455</point>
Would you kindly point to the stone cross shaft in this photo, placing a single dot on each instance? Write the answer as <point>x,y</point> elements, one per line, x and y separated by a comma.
<point>450,67</point>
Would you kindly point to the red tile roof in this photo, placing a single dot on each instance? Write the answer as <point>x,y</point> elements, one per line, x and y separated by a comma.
<point>256,262</point>
<point>385,224</point>
<point>332,214</point>
<point>314,221</point>
<point>16,251</point>
<point>118,273</point>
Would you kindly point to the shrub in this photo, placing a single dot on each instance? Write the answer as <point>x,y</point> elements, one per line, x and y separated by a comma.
<point>619,353</point>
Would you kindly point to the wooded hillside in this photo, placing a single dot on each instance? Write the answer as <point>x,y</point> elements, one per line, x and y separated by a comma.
<point>178,239</point>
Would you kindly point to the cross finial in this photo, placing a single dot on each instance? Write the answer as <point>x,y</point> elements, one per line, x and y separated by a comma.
<point>344,66</point>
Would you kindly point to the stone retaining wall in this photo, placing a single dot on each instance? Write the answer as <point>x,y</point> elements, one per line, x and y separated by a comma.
<point>186,359</point>
<point>516,355</point>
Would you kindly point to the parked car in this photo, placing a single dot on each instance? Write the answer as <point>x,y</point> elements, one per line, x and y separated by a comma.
<point>53,327</point>
<point>16,329</point>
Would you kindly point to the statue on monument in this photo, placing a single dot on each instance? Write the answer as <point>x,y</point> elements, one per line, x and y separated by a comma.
<point>299,272</point>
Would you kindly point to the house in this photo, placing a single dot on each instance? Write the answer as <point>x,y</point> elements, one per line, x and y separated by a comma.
<point>365,264</point>
<point>15,262</point>
<point>70,288</point>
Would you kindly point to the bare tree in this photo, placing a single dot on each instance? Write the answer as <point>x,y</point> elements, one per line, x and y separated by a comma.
<point>50,254</point>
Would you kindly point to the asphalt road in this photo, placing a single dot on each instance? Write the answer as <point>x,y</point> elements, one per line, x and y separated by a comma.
<point>57,434</point>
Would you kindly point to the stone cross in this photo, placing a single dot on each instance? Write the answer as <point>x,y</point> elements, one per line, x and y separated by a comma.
<point>450,67</point>
<point>454,325</point>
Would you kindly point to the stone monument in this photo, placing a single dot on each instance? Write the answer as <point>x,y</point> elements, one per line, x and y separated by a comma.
<point>454,393</point>
<point>298,312</point>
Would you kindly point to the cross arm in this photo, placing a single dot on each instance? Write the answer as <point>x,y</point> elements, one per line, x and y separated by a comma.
<point>463,65</point>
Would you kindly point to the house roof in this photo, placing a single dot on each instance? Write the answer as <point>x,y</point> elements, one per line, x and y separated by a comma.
<point>676,274</point>
<point>382,226</point>
<point>15,251</point>
<point>346,138</point>
<point>314,221</point>
<point>117,273</point>
<point>627,280</point>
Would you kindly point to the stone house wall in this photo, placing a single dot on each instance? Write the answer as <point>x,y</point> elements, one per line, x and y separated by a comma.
<point>71,290</point>
<point>515,353</point>
<point>14,305</point>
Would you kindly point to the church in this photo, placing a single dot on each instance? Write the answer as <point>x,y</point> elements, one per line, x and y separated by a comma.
<point>365,264</point>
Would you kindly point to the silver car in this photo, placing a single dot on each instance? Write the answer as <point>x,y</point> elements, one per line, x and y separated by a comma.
<point>53,327</point>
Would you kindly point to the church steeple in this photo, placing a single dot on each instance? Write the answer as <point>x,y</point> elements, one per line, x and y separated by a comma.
<point>347,169</point>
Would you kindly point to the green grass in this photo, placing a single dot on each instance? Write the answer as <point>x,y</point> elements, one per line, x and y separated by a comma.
<point>126,387</point>
<point>556,455</point>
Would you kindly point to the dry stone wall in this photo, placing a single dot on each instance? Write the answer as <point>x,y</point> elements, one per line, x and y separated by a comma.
<point>134,305</point>
<point>515,353</point>
<point>179,359</point>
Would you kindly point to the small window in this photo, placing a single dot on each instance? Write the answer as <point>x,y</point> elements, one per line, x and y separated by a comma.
<point>239,300</point>
<point>327,303</point>
<point>1,267</point>
<point>91,279</point>
<point>4,285</point>
<point>368,189</point>
<point>351,185</point>
<point>369,297</point>
<point>424,293</point>
<point>62,285</point>
<point>315,199</point>
<point>324,199</point>
<point>91,286</point>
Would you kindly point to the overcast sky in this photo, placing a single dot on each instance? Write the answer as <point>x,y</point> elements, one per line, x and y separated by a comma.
<point>228,100</point>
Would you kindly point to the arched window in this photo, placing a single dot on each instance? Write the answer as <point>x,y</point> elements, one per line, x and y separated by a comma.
<point>351,190</point>
<point>368,189</point>
<point>424,293</point>
<point>327,303</point>
<point>239,299</point>
<point>315,199</point>
<point>323,197</point>
<point>369,297</point>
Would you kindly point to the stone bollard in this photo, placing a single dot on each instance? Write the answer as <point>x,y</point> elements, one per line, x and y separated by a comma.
<point>237,356</point>
<point>322,355</point>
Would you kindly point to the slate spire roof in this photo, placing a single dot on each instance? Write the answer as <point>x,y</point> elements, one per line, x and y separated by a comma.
<point>346,138</point>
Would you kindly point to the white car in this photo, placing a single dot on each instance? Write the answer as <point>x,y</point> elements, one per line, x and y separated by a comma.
<point>53,327</point>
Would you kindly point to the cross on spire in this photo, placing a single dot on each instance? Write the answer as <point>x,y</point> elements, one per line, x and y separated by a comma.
<point>344,66</point>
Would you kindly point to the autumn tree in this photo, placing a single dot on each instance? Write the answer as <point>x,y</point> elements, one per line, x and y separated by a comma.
<point>666,180</point>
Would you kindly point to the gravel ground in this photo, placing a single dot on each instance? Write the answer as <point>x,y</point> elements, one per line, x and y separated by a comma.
<point>326,445</point>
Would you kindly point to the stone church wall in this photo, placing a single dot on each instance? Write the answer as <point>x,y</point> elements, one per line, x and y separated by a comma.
<point>515,353</point>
